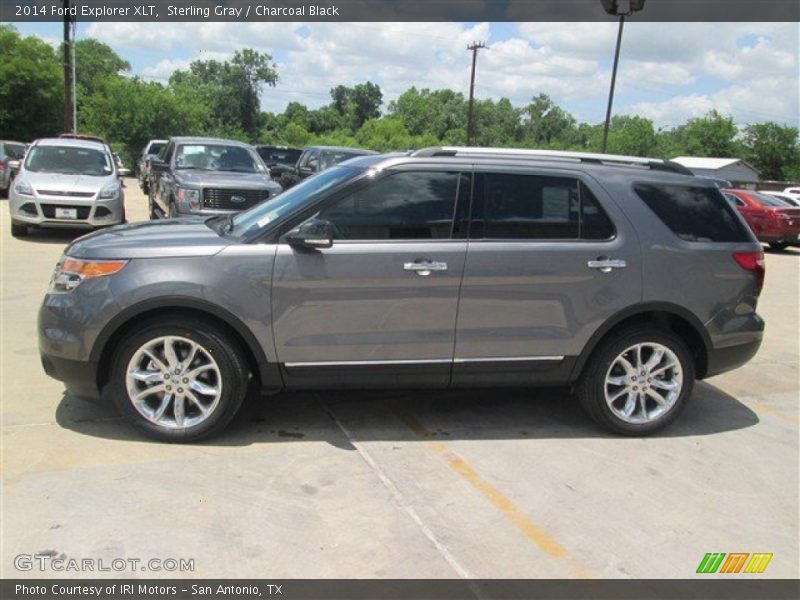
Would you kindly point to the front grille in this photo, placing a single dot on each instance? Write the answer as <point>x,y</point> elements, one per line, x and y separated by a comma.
<point>61,193</point>
<point>222,199</point>
<point>49,210</point>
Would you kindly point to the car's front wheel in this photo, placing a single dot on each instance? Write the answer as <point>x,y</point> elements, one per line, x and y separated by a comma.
<point>778,246</point>
<point>18,230</point>
<point>637,381</point>
<point>178,380</point>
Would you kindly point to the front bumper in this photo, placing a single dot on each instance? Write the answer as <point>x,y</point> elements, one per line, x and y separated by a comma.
<point>40,211</point>
<point>79,377</point>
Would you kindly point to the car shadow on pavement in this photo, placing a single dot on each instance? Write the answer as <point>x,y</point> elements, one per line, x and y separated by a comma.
<point>498,414</point>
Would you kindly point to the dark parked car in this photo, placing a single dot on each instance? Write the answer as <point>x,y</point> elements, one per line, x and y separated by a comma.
<point>318,158</point>
<point>206,176</point>
<point>10,152</point>
<point>448,267</point>
<point>143,166</point>
<point>279,159</point>
<point>773,220</point>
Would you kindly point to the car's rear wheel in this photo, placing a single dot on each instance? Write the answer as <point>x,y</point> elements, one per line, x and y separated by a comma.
<point>178,380</point>
<point>779,246</point>
<point>638,381</point>
<point>18,230</point>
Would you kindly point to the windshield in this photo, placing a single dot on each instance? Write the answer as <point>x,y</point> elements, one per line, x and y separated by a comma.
<point>281,155</point>
<point>69,160</point>
<point>250,221</point>
<point>216,157</point>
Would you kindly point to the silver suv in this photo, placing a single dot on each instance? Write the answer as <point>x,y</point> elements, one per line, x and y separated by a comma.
<point>66,182</point>
<point>624,278</point>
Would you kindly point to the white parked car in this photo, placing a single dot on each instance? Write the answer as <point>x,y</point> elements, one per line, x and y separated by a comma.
<point>793,191</point>
<point>788,198</point>
<point>66,182</point>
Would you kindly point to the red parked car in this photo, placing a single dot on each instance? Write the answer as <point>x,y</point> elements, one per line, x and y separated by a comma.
<point>773,220</point>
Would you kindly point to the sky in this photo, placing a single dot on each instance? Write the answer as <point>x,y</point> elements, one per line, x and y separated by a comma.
<point>669,72</point>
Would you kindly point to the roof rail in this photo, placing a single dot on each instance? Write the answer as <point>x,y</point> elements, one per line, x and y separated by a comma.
<point>587,157</point>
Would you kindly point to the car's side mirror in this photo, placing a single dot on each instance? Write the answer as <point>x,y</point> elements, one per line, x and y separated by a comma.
<point>315,233</point>
<point>306,171</point>
<point>157,165</point>
<point>13,165</point>
<point>123,172</point>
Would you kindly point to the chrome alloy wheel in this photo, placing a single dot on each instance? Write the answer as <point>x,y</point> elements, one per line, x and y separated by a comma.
<point>643,383</point>
<point>173,382</point>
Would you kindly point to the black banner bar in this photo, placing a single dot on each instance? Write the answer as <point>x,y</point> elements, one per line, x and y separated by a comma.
<point>711,588</point>
<point>395,10</point>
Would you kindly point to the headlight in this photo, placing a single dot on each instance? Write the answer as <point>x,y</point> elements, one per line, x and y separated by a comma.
<point>110,191</point>
<point>188,197</point>
<point>71,272</point>
<point>23,188</point>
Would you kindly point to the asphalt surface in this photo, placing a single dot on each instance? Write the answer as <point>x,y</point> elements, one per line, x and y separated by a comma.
<point>483,483</point>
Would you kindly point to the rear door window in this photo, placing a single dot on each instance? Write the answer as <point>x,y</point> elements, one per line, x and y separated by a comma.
<point>518,206</point>
<point>694,214</point>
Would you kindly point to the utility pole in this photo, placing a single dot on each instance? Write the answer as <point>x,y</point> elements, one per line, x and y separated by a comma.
<point>621,9</point>
<point>474,47</point>
<point>613,83</point>
<point>69,115</point>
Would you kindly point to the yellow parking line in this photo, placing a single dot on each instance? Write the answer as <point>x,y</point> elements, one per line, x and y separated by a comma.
<point>536,534</point>
<point>774,411</point>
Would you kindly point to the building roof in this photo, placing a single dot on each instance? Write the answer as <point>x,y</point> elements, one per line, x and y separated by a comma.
<point>711,164</point>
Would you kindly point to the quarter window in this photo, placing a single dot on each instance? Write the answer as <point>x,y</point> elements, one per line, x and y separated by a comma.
<point>403,206</point>
<point>694,214</point>
<point>512,206</point>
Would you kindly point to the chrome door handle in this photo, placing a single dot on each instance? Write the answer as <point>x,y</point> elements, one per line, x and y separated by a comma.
<point>424,268</point>
<point>606,265</point>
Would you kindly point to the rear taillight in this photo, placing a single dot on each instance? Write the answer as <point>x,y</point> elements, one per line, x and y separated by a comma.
<point>753,262</point>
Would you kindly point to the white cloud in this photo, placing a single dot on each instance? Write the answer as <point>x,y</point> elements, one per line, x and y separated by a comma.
<point>668,71</point>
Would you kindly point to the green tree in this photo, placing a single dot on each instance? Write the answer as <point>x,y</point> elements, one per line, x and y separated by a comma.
<point>95,63</point>
<point>632,135</point>
<point>546,124</point>
<point>496,123</point>
<point>129,112</point>
<point>31,87</point>
<point>711,135</point>
<point>773,150</point>
<point>232,88</point>
<point>358,103</point>
<point>440,113</point>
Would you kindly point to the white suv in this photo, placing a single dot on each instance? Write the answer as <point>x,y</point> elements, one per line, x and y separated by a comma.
<point>66,182</point>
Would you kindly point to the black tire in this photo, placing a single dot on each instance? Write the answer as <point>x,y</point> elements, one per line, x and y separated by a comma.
<point>18,230</point>
<point>591,387</point>
<point>778,246</point>
<point>214,340</point>
<point>173,211</point>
